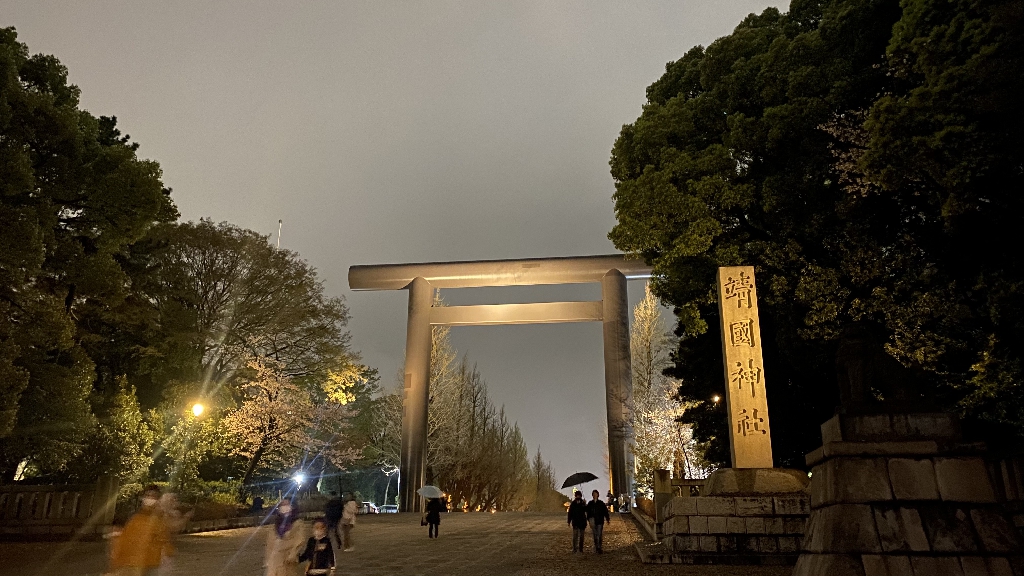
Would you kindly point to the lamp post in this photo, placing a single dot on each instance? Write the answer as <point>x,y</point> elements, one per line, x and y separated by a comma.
<point>188,432</point>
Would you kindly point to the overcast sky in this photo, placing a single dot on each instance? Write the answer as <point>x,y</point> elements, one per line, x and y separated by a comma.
<point>399,131</point>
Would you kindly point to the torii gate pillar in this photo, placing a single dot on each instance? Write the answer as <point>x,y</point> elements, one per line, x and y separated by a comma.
<point>613,311</point>
<point>415,396</point>
<point>618,381</point>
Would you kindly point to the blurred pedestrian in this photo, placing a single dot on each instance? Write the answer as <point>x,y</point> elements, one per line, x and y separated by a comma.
<point>348,521</point>
<point>286,539</point>
<point>597,513</point>
<point>434,508</point>
<point>175,522</point>
<point>144,541</point>
<point>578,520</point>
<point>319,552</point>
<point>333,511</point>
<point>111,537</point>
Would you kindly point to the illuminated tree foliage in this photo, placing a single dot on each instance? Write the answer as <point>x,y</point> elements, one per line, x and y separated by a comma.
<point>473,451</point>
<point>863,156</point>
<point>279,422</point>
<point>122,443</point>
<point>662,441</point>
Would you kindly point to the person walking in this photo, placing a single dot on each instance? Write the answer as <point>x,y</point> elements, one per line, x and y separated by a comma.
<point>144,541</point>
<point>348,521</point>
<point>333,511</point>
<point>286,539</point>
<point>597,513</point>
<point>319,552</point>
<point>434,508</point>
<point>578,520</point>
<point>175,522</point>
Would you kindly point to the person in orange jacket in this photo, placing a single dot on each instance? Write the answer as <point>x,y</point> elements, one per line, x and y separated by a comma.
<point>145,540</point>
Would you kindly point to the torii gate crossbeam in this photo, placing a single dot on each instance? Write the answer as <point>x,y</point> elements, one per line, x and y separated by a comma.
<point>420,280</point>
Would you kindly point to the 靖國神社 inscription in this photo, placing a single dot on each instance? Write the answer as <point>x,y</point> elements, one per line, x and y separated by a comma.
<point>749,433</point>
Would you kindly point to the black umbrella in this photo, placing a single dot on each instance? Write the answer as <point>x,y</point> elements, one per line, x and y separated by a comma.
<point>578,478</point>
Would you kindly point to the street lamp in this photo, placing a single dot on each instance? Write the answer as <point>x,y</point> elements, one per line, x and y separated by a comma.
<point>187,428</point>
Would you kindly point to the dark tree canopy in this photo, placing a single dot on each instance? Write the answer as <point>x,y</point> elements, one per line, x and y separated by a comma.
<point>863,156</point>
<point>109,308</point>
<point>73,197</point>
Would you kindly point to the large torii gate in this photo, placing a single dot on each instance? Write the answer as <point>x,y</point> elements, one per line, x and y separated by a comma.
<point>420,280</point>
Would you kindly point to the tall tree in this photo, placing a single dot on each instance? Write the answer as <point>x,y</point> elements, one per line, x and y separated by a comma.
<point>279,421</point>
<point>662,441</point>
<point>945,141</point>
<point>122,443</point>
<point>74,196</point>
<point>542,494</point>
<point>824,147</point>
<point>223,294</point>
<point>473,451</point>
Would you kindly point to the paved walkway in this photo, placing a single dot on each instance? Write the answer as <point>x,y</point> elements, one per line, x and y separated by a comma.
<point>514,544</point>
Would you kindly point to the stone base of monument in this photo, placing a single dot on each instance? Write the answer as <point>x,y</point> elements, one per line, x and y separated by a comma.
<point>745,516</point>
<point>902,494</point>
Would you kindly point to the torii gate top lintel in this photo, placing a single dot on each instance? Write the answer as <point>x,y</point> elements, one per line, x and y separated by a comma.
<point>484,273</point>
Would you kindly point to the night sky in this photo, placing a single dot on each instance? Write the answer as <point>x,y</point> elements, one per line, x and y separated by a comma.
<point>399,131</point>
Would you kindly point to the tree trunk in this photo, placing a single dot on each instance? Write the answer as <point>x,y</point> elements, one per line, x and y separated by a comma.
<point>243,490</point>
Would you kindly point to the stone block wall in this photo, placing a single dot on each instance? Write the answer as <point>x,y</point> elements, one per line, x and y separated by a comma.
<point>735,529</point>
<point>1008,473</point>
<point>922,503</point>
<point>57,512</point>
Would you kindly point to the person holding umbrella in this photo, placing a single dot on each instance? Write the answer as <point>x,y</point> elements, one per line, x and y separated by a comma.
<point>578,508</point>
<point>434,507</point>
<point>577,518</point>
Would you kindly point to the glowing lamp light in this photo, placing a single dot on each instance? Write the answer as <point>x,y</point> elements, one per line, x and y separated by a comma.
<point>299,478</point>
<point>197,409</point>
<point>716,398</point>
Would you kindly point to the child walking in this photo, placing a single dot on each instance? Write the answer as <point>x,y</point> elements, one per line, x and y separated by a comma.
<point>319,552</point>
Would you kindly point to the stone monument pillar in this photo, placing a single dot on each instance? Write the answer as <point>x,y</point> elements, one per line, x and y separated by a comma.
<point>750,438</point>
<point>751,513</point>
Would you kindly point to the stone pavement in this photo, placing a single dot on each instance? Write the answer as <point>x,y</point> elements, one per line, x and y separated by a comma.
<point>515,544</point>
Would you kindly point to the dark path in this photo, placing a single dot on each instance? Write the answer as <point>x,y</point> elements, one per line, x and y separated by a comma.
<point>518,544</point>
